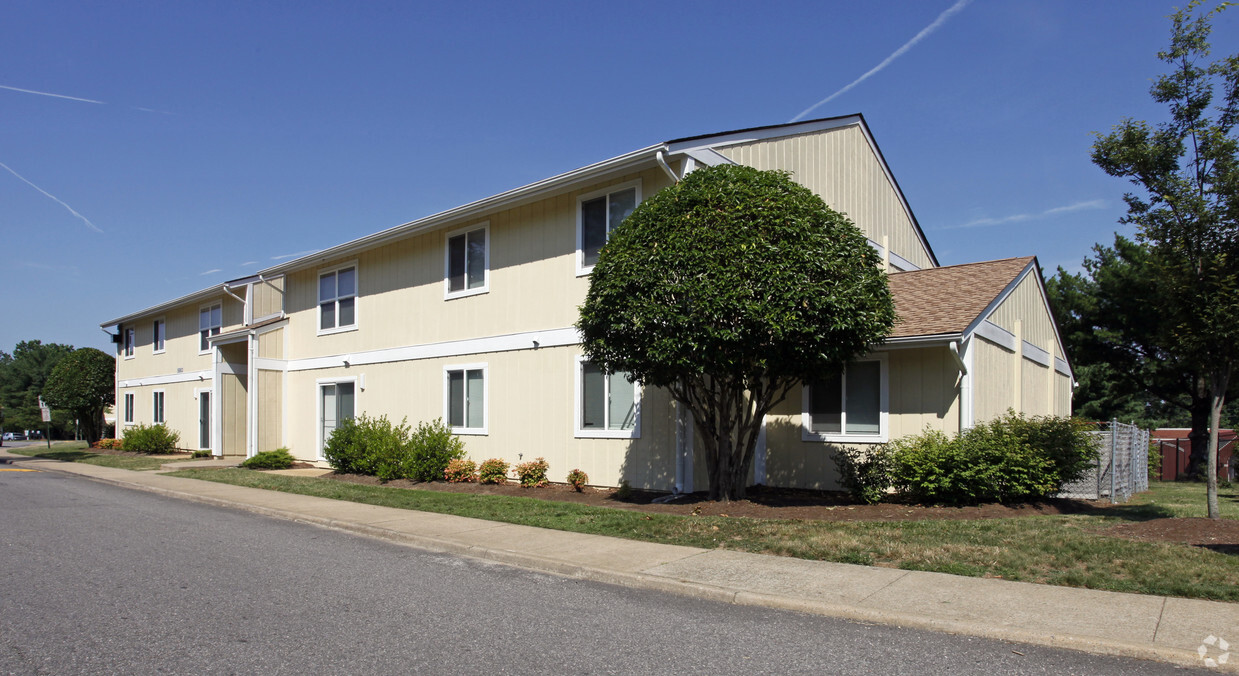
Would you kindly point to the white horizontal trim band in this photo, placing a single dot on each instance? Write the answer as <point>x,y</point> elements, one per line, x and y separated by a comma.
<point>996,335</point>
<point>1035,354</point>
<point>1062,366</point>
<point>166,379</point>
<point>455,348</point>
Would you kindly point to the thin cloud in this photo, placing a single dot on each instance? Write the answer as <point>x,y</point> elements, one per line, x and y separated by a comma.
<point>246,264</point>
<point>210,272</point>
<point>52,197</point>
<point>293,255</point>
<point>1016,218</point>
<point>925,32</point>
<point>56,96</point>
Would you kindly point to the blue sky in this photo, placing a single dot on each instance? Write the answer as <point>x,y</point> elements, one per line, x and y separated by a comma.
<point>204,141</point>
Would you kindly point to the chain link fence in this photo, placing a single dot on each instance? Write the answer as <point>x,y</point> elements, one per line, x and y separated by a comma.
<point>1122,467</point>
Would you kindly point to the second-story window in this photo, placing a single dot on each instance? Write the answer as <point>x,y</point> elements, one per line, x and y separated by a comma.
<point>337,299</point>
<point>158,331</point>
<point>598,215</point>
<point>467,267</point>
<point>210,322</point>
<point>130,339</point>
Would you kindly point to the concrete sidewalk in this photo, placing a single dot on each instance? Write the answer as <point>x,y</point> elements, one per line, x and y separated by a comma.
<point>1150,627</point>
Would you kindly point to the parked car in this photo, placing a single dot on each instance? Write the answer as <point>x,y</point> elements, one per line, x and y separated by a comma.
<point>14,436</point>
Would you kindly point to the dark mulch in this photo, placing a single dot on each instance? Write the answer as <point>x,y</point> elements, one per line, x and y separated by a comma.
<point>1220,535</point>
<point>762,502</point>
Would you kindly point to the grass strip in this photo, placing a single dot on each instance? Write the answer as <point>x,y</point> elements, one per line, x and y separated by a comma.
<point>77,452</point>
<point>1061,550</point>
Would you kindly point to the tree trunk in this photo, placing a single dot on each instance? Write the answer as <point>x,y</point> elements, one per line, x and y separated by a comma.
<point>1198,437</point>
<point>1219,383</point>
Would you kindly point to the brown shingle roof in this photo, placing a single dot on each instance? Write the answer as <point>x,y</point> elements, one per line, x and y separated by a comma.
<point>946,300</point>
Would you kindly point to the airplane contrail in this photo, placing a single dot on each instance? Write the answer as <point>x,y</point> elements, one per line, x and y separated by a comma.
<point>52,197</point>
<point>925,32</point>
<point>58,96</point>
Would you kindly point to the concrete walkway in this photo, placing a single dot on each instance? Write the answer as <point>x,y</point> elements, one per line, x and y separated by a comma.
<point>1150,627</point>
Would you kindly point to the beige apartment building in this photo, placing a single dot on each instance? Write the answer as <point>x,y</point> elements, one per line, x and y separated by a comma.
<point>468,315</point>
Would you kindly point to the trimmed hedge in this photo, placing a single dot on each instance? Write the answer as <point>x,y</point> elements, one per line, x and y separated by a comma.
<point>376,447</point>
<point>154,439</point>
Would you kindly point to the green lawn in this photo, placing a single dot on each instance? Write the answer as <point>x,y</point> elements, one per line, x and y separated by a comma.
<point>1062,550</point>
<point>78,451</point>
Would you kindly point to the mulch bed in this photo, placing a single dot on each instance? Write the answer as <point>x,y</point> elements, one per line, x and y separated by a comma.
<point>1220,535</point>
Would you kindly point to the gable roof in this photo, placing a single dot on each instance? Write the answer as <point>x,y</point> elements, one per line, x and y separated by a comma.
<point>947,300</point>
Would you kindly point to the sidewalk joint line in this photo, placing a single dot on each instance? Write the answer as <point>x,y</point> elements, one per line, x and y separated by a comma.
<point>1160,613</point>
<point>883,587</point>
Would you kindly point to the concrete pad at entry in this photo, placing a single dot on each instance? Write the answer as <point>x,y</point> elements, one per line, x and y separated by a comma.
<point>1030,607</point>
<point>796,578</point>
<point>1186,623</point>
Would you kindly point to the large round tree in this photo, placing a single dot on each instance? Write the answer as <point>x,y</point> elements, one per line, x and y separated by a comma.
<point>84,382</point>
<point>728,289</point>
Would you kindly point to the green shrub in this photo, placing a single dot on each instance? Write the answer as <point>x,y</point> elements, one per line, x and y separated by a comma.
<point>533,473</point>
<point>1008,459</point>
<point>461,471</point>
<point>493,471</point>
<point>152,439</point>
<point>865,472</point>
<point>280,458</point>
<point>433,447</point>
<point>577,479</point>
<point>203,453</point>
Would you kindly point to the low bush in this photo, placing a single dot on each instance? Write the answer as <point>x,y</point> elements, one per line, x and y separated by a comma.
<point>203,453</point>
<point>533,473</point>
<point>105,443</point>
<point>493,471</point>
<point>460,471</point>
<point>865,472</point>
<point>1008,459</point>
<point>577,479</point>
<point>433,447</point>
<point>280,458</point>
<point>152,439</point>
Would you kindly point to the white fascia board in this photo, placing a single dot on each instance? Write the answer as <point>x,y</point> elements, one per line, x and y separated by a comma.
<point>998,300</point>
<point>902,263</point>
<point>917,341</point>
<point>166,379</point>
<point>531,340</point>
<point>536,190</point>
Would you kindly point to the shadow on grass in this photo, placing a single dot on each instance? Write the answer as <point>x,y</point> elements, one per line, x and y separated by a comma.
<point>64,456</point>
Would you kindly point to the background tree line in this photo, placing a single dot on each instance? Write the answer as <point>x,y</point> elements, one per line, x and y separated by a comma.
<point>77,384</point>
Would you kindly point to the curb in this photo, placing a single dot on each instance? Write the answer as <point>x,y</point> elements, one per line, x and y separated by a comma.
<point>658,583</point>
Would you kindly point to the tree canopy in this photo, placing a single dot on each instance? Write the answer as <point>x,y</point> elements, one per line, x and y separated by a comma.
<point>1187,206</point>
<point>22,375</point>
<point>728,289</point>
<point>83,383</point>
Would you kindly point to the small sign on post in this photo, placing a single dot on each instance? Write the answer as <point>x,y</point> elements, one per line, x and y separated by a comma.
<point>47,418</point>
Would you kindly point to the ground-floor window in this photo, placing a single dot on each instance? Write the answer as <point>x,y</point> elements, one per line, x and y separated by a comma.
<point>465,398</point>
<point>849,406</point>
<point>607,405</point>
<point>157,408</point>
<point>204,419</point>
<point>129,407</point>
<point>336,401</point>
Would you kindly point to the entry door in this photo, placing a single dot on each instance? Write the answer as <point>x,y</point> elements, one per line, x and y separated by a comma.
<point>337,405</point>
<point>204,420</point>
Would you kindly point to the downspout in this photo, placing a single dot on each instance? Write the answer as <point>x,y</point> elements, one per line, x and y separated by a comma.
<point>662,162</point>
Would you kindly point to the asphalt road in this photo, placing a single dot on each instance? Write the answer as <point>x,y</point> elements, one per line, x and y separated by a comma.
<point>100,579</point>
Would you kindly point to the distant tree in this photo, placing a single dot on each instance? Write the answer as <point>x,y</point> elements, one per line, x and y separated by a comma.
<point>22,375</point>
<point>728,289</point>
<point>1188,211</point>
<point>84,383</point>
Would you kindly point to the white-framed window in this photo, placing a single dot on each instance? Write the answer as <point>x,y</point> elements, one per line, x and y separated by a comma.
<point>607,406</point>
<point>337,402</point>
<point>130,339</point>
<point>210,323</point>
<point>337,299</point>
<point>129,408</point>
<point>852,406</point>
<point>598,213</point>
<point>464,398</point>
<point>159,334</point>
<point>204,418</point>
<point>157,406</point>
<point>466,261</point>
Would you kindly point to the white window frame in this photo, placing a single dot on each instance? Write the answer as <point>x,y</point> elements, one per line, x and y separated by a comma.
<point>129,405</point>
<point>583,433</point>
<point>318,405</point>
<point>581,268</point>
<point>447,370</point>
<point>159,412</point>
<point>160,327</point>
<point>211,330</point>
<point>448,294</point>
<point>198,392</point>
<point>129,348</point>
<point>318,313</point>
<point>883,435</point>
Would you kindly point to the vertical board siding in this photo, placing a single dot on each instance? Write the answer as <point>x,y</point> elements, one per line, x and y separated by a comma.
<point>232,391</point>
<point>268,297</point>
<point>271,344</point>
<point>840,166</point>
<point>1026,305</point>
<point>270,410</point>
<point>1036,393</point>
<point>993,389</point>
<point>180,347</point>
<point>180,410</point>
<point>924,391</point>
